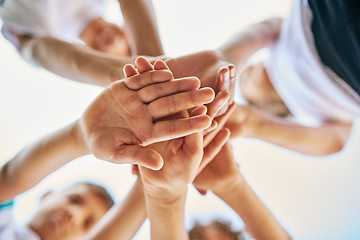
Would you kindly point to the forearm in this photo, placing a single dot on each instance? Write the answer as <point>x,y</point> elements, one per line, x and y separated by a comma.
<point>314,141</point>
<point>39,159</point>
<point>139,16</point>
<point>75,62</point>
<point>258,219</point>
<point>247,41</point>
<point>124,219</point>
<point>166,215</point>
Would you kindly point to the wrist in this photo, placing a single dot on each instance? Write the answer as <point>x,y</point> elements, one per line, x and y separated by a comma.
<point>229,186</point>
<point>165,196</point>
<point>167,216</point>
<point>79,138</point>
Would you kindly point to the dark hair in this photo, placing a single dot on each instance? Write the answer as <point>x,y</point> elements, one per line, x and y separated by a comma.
<point>198,230</point>
<point>99,191</point>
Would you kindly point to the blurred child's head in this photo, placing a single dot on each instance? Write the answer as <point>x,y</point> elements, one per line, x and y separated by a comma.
<point>106,37</point>
<point>70,213</point>
<point>215,230</point>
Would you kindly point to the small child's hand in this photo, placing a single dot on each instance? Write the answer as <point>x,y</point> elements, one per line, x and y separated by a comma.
<point>220,173</point>
<point>210,68</point>
<point>182,158</point>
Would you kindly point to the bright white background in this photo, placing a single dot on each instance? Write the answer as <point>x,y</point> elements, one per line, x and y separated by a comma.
<point>314,198</point>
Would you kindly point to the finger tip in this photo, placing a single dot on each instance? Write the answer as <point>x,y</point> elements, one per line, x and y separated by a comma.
<point>160,64</point>
<point>156,166</point>
<point>227,132</point>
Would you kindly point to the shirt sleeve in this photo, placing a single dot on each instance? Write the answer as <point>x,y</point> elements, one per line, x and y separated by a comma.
<point>6,210</point>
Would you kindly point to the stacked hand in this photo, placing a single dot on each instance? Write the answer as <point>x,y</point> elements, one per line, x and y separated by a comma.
<point>220,174</point>
<point>209,68</point>
<point>125,117</point>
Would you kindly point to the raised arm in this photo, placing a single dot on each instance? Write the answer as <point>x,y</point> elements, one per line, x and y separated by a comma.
<point>140,17</point>
<point>123,220</point>
<point>116,127</point>
<point>323,140</point>
<point>223,178</point>
<point>165,190</point>
<point>73,61</point>
<point>38,160</point>
<point>250,39</point>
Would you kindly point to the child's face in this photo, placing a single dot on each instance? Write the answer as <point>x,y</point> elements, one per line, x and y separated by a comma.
<point>107,37</point>
<point>257,90</point>
<point>69,214</point>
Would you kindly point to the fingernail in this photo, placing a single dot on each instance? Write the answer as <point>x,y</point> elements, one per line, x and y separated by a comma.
<point>232,72</point>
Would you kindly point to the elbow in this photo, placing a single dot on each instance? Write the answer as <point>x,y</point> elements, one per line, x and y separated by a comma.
<point>329,147</point>
<point>10,185</point>
<point>6,185</point>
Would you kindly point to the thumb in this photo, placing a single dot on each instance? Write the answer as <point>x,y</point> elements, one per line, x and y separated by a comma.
<point>201,191</point>
<point>139,155</point>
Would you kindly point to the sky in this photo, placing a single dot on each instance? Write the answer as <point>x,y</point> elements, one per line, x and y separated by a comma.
<point>314,198</point>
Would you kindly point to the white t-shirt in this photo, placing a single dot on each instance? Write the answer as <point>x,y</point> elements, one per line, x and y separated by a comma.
<point>62,19</point>
<point>8,228</point>
<point>312,92</point>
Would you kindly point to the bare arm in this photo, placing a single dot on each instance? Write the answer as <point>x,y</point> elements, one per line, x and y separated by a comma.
<point>258,219</point>
<point>224,179</point>
<point>250,39</point>
<point>139,16</point>
<point>38,160</point>
<point>124,219</point>
<point>109,129</point>
<point>72,61</point>
<point>326,139</point>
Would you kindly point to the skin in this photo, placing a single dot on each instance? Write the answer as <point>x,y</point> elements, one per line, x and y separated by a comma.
<point>109,128</point>
<point>223,178</point>
<point>264,118</point>
<point>132,114</point>
<point>108,47</point>
<point>248,121</point>
<point>258,91</point>
<point>166,188</point>
<point>213,72</point>
<point>68,214</point>
<point>126,217</point>
<point>106,37</point>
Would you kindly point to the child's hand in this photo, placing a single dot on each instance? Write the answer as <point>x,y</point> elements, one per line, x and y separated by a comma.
<point>220,174</point>
<point>209,68</point>
<point>121,122</point>
<point>182,158</point>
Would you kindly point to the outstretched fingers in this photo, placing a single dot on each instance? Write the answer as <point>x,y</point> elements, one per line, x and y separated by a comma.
<point>215,106</point>
<point>170,129</point>
<point>214,147</point>
<point>136,82</point>
<point>129,70</point>
<point>221,122</point>
<point>147,74</point>
<point>163,89</point>
<point>143,65</point>
<point>160,64</point>
<point>172,104</point>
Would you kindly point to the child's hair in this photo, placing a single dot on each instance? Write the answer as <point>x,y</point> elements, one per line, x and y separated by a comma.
<point>197,232</point>
<point>99,191</point>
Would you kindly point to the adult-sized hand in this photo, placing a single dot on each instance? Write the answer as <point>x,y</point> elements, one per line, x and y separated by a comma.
<point>121,122</point>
